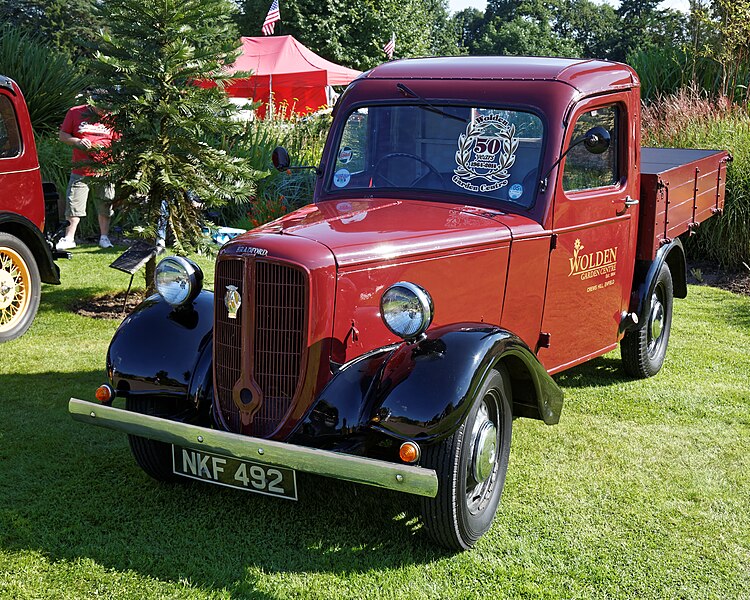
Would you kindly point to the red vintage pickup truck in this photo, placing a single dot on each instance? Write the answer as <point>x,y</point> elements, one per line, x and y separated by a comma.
<point>26,258</point>
<point>478,225</point>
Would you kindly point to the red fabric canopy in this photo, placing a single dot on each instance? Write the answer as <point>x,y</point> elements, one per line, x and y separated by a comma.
<point>296,75</point>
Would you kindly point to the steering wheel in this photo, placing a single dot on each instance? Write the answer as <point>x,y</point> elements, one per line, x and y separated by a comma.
<point>405,155</point>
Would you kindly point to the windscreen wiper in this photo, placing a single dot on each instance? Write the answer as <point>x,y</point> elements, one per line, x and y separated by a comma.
<point>409,92</point>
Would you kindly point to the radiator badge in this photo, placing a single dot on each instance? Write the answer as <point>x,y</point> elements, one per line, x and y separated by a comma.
<point>251,250</point>
<point>233,301</point>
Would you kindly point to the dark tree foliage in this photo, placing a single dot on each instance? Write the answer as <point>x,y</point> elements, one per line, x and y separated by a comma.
<point>353,32</point>
<point>68,25</point>
<point>523,28</point>
<point>149,60</point>
<point>643,27</point>
<point>468,24</point>
<point>593,27</point>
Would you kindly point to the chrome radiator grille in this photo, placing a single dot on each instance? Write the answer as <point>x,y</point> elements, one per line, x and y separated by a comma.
<point>272,323</point>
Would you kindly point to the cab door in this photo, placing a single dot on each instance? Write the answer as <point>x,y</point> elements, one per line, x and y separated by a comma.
<point>594,228</point>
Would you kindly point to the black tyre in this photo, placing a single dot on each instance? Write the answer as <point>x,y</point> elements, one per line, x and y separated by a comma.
<point>644,350</point>
<point>155,458</point>
<point>471,466</point>
<point>20,287</point>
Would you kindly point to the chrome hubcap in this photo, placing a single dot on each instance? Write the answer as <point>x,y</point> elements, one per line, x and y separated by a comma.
<point>485,448</point>
<point>656,322</point>
<point>482,467</point>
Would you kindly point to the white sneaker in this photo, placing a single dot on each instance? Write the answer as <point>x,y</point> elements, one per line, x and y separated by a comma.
<point>65,244</point>
<point>104,242</point>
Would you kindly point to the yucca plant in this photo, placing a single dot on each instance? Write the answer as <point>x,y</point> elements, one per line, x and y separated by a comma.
<point>49,80</point>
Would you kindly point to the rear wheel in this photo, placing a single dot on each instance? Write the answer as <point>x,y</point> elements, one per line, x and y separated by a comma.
<point>644,350</point>
<point>155,458</point>
<point>20,287</point>
<point>470,466</point>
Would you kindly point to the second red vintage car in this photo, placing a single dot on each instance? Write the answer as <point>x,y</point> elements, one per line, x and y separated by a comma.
<point>478,225</point>
<point>26,258</point>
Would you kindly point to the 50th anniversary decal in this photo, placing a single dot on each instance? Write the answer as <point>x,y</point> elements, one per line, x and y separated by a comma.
<point>485,152</point>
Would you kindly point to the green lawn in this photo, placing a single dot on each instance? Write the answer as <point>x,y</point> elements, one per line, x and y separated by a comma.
<point>642,490</point>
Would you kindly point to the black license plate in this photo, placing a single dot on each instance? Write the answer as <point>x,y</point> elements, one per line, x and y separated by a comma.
<point>233,472</point>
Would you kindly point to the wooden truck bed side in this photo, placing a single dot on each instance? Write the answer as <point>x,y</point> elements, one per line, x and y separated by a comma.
<point>680,188</point>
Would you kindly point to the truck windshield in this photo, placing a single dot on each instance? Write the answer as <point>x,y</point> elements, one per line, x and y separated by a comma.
<point>489,152</point>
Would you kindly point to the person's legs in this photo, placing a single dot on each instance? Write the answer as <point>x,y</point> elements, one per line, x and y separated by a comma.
<point>75,208</point>
<point>105,194</point>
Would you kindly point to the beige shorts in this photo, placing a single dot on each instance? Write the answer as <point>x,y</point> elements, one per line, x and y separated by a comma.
<point>79,187</point>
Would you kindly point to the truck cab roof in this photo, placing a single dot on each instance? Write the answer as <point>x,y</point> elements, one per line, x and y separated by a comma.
<point>586,76</point>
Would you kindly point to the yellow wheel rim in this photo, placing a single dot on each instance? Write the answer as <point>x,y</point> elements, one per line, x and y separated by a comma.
<point>15,288</point>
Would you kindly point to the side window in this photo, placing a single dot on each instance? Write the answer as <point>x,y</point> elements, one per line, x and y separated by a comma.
<point>584,170</point>
<point>10,140</point>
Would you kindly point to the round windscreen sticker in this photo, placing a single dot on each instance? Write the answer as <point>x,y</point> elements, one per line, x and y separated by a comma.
<point>345,155</point>
<point>341,178</point>
<point>515,191</point>
<point>486,152</point>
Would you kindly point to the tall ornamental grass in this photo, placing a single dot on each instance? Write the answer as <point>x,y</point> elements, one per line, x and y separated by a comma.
<point>667,70</point>
<point>689,119</point>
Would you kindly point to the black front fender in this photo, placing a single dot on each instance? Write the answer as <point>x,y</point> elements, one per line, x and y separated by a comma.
<point>165,352</point>
<point>427,389</point>
<point>423,391</point>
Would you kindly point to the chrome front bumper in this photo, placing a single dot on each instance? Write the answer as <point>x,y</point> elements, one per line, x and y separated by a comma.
<point>378,473</point>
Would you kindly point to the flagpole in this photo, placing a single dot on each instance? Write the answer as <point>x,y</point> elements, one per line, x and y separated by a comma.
<point>270,93</point>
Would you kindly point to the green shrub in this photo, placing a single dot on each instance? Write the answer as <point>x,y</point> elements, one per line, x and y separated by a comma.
<point>277,193</point>
<point>688,119</point>
<point>49,80</point>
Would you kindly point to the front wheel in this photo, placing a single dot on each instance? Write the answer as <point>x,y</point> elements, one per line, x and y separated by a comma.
<point>154,457</point>
<point>20,287</point>
<point>471,466</point>
<point>644,350</point>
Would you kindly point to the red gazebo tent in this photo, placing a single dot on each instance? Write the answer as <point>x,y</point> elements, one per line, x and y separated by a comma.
<point>287,74</point>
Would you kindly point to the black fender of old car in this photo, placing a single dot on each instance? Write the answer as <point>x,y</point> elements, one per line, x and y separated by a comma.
<point>423,391</point>
<point>165,352</point>
<point>29,234</point>
<point>647,272</point>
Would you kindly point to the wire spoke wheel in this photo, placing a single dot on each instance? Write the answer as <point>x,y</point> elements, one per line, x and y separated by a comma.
<point>19,287</point>
<point>14,288</point>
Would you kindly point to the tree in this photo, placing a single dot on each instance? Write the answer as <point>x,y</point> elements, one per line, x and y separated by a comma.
<point>169,155</point>
<point>643,27</point>
<point>732,48</point>
<point>353,32</point>
<point>593,27</point>
<point>468,24</point>
<point>67,25</point>
<point>523,28</point>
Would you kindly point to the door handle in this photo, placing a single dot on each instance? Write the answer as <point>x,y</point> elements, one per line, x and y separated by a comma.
<point>628,203</point>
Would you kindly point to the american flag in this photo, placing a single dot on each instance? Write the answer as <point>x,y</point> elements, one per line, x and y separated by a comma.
<point>390,47</point>
<point>271,18</point>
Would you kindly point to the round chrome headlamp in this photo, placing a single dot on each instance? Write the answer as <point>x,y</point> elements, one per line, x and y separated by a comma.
<point>178,280</point>
<point>406,309</point>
